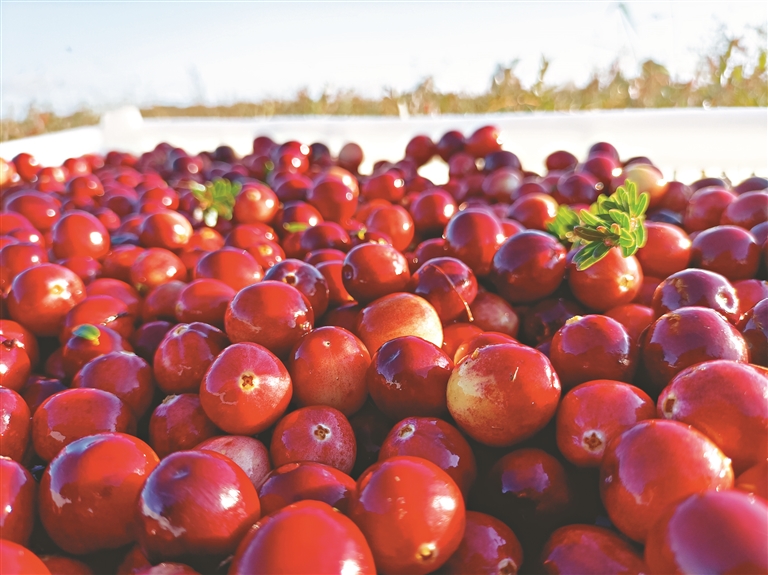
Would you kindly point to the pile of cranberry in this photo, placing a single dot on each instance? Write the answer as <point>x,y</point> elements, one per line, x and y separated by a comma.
<point>371,373</point>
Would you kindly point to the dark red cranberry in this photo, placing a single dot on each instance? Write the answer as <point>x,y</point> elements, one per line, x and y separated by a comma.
<point>235,267</point>
<point>294,482</point>
<point>480,340</point>
<point>204,300</point>
<point>488,546</point>
<point>15,364</point>
<point>534,211</point>
<point>15,258</point>
<point>18,492</point>
<point>589,549</point>
<point>706,207</point>
<point>473,236</point>
<point>431,211</point>
<point>154,267</point>
<point>395,222</point>
<point>700,288</point>
<point>184,355</point>
<point>305,278</point>
<point>577,188</point>
<point>490,312</point>
<point>561,161</point>
<point>667,250</point>
<point>541,321</point>
<point>179,423</point>
<point>335,195</point>
<point>754,328</point>
<point>147,338</point>
<point>250,454</point>
<point>614,280</point>
<point>634,317</point>
<point>256,203</point>
<point>15,425</point>
<point>448,284</point>
<point>728,250</point>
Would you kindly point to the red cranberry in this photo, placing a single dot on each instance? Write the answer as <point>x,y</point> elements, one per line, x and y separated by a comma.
<point>41,209</point>
<point>15,365</point>
<point>589,549</point>
<point>614,280</point>
<point>482,339</point>
<point>592,347</point>
<point>337,293</point>
<point>88,492</point>
<point>754,329</point>
<point>725,401</point>
<point>256,203</point>
<point>317,433</point>
<point>686,337</point>
<point>503,394</point>
<point>577,188</point>
<point>100,310</point>
<point>116,289</point>
<point>473,236</point>
<point>18,492</point>
<point>22,338</point>
<point>87,342</point>
<point>246,389</point>
<point>488,546</point>
<point>15,425</point>
<point>41,296</point>
<point>249,454</point>
<point>270,313</point>
<point>715,532</point>
<point>634,317</point>
<point>450,143</point>
<point>456,334</point>
<point>448,284</point>
<point>408,377</point>
<point>668,250</point>
<point>328,367</point>
<point>541,321</point>
<point>705,208</point>
<point>235,267</point>
<point>398,315</point>
<point>754,480</point>
<point>395,222</point>
<point>654,464</point>
<point>15,558</point>
<point>414,492</point>
<point>593,413</point>
<point>746,211</point>
<point>534,211</point>
<point>371,271</point>
<point>305,278</point>
<point>185,355</point>
<point>147,338</point>
<point>294,482</point>
<point>179,423</point>
<point>728,250</point>
<point>165,229</point>
<point>561,161</point>
<point>160,303</point>
<point>195,503</point>
<point>154,267</point>
<point>204,300</point>
<point>335,195</point>
<point>308,536</point>
<point>431,211</point>
<point>15,258</point>
<point>750,293</point>
<point>698,288</point>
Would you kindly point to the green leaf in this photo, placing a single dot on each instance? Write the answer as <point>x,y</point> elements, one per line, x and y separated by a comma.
<point>642,204</point>
<point>564,222</point>
<point>588,218</point>
<point>640,235</point>
<point>589,234</point>
<point>293,227</point>
<point>87,331</point>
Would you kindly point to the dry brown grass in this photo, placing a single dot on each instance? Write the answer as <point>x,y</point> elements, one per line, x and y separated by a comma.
<point>719,82</point>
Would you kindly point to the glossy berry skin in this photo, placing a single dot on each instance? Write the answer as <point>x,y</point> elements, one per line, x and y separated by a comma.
<point>273,314</point>
<point>204,300</point>
<point>456,334</point>
<point>155,267</point>
<point>14,363</point>
<point>408,377</point>
<point>371,271</point>
<point>473,236</point>
<point>395,222</point>
<point>184,355</point>
<point>686,337</point>
<point>299,481</point>
<point>754,480</point>
<point>529,490</point>
<point>614,280</point>
<point>250,454</point>
<point>593,413</point>
<point>305,537</point>
<point>700,288</point>
<point>246,389</point>
<point>18,492</point>
<point>592,347</point>
<point>411,513</point>
<point>88,492</point>
<point>725,400</point>
<point>305,278</point>
<point>335,195</point>
<point>714,532</point>
<point>561,160</point>
<point>179,423</point>
<point>654,464</point>
<point>503,394</point>
<point>483,141</point>
<point>667,250</point>
<point>123,374</point>
<point>102,310</point>
<point>634,317</point>
<point>728,250</point>
<point>746,211</point>
<point>15,424</point>
<point>489,547</point>
<point>328,367</point>
<point>235,267</point>
<point>19,560</point>
<point>482,339</point>
<point>88,342</point>
<point>534,210</point>
<point>431,210</point>
<point>589,549</point>
<point>195,503</point>
<point>541,321</point>
<point>147,338</point>
<point>41,296</point>
<point>17,257</point>
<point>577,188</point>
<point>75,413</point>
<point>398,315</point>
<point>434,440</point>
<point>706,207</point>
<point>256,203</point>
<point>754,328</point>
<point>317,433</point>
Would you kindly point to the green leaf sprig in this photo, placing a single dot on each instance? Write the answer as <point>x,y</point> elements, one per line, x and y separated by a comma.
<point>217,199</point>
<point>615,221</point>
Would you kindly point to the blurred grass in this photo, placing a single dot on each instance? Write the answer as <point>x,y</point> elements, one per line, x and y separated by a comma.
<point>719,81</point>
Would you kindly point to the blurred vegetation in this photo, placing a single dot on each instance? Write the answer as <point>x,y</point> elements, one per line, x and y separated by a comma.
<point>719,81</point>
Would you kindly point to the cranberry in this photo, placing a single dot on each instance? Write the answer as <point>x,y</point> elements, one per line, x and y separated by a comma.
<point>204,300</point>
<point>305,278</point>
<point>577,188</point>
<point>654,464</point>
<point>728,250</point>
<point>592,347</point>
<point>534,211</point>
<point>246,389</point>
<point>750,293</point>
<point>22,338</point>
<point>488,546</point>
<point>499,186</point>
<point>448,284</point>
<point>116,289</point>
<point>725,401</point>
<point>503,394</point>
<point>634,317</point>
<point>698,288</point>
<point>754,329</point>
<point>123,374</point>
<point>184,355</point>
<point>754,480</point>
<point>15,364</point>
<point>398,315</point>
<point>308,536</point>
<point>473,236</point>
<point>88,492</point>
<point>541,321</point>
<point>490,312</point>
<point>102,310</point>
<point>612,281</point>
<point>165,229</point>
<point>482,339</point>
<point>371,271</point>
<point>456,334</point>
<point>411,513</point>
<point>15,425</point>
<point>179,423</point>
<point>305,480</point>
<point>328,367</point>
<point>746,211</point>
<point>668,250</point>
<point>147,338</point>
<point>647,178</point>
<point>19,560</point>
<point>335,195</point>
<point>395,222</point>
<point>589,549</point>
<point>235,267</point>
<point>41,209</point>
<point>706,207</point>
<point>194,503</point>
<point>15,258</point>
<point>38,389</point>
<point>431,211</point>
<point>256,203</point>
<point>686,337</point>
<point>18,492</point>
<point>41,296</point>
<point>337,293</point>
<point>711,531</point>
<point>529,490</point>
<point>388,186</point>
<point>249,454</point>
<point>270,313</point>
<point>154,267</point>
<point>87,342</point>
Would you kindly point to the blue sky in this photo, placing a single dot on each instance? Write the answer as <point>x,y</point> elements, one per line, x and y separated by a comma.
<point>64,55</point>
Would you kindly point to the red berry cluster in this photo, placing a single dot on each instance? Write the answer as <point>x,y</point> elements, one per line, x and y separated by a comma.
<point>276,364</point>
